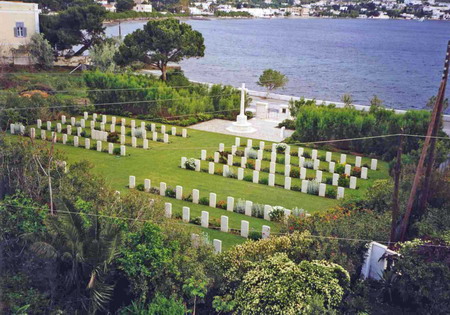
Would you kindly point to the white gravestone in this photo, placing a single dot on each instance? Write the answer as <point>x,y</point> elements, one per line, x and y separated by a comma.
<point>272,180</point>
<point>179,192</point>
<point>212,200</point>
<point>331,167</point>
<point>132,182</point>
<point>186,214</point>
<point>255,177</point>
<point>195,196</point>
<point>244,228</point>
<point>352,182</point>
<point>211,168</point>
<point>343,158</point>
<point>373,164</point>
<point>147,185</point>
<point>304,186</point>
<point>287,183</point>
<point>240,173</point>
<point>168,210</point>
<point>265,231</point>
<point>322,190</point>
<point>162,188</point>
<point>248,208</point>
<point>224,223</point>
<point>267,210</point>
<point>230,203</point>
<point>364,172</point>
<point>358,161</point>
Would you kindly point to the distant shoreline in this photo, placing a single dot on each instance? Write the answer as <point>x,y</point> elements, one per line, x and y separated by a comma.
<point>207,18</point>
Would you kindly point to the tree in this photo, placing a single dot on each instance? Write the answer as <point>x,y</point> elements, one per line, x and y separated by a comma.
<point>81,24</point>
<point>347,99</point>
<point>272,80</point>
<point>102,55</point>
<point>279,286</point>
<point>432,100</point>
<point>84,248</point>
<point>124,5</point>
<point>41,51</point>
<point>376,103</point>
<point>161,42</point>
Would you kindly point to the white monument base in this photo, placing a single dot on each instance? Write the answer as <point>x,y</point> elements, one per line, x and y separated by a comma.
<point>241,125</point>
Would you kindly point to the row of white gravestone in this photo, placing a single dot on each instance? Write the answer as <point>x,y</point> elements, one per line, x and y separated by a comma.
<point>287,153</point>
<point>287,173</point>
<point>196,197</point>
<point>77,143</point>
<point>226,171</point>
<point>204,219</point>
<point>287,169</point>
<point>104,121</point>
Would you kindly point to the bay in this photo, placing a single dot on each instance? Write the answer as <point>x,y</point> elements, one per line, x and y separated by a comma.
<point>399,61</point>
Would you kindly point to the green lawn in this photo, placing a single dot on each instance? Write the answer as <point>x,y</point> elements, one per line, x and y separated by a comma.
<point>162,163</point>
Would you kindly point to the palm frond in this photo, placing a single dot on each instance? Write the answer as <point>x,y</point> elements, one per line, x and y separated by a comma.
<point>44,250</point>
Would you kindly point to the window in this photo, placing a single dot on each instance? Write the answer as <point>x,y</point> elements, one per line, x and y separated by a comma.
<point>20,30</point>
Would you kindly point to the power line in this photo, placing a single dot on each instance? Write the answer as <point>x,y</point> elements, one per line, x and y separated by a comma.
<point>186,224</point>
<point>117,103</point>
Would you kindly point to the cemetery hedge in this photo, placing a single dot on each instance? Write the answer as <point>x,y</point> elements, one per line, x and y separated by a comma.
<point>318,123</point>
<point>154,98</point>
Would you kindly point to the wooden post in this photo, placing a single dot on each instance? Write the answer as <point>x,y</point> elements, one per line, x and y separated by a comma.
<point>395,207</point>
<point>435,117</point>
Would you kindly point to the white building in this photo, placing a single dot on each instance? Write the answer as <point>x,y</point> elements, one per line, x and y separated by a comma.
<point>19,21</point>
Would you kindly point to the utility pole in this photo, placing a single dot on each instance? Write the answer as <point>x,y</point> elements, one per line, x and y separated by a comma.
<point>395,206</point>
<point>432,129</point>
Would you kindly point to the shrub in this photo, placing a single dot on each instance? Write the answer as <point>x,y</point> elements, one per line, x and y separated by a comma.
<point>248,178</point>
<point>116,151</point>
<point>280,160</point>
<point>288,123</point>
<point>264,181</point>
<point>298,212</point>
<point>329,180</point>
<point>340,169</point>
<point>239,153</point>
<point>344,181</point>
<point>308,164</point>
<point>295,173</point>
<point>252,154</point>
<point>140,187</point>
<point>277,214</point>
<point>253,235</point>
<point>204,201</point>
<point>258,210</point>
<point>170,192</point>
<point>250,165</point>
<point>83,134</point>
<point>281,147</point>
<point>113,137</point>
<point>138,133</point>
<point>239,207</point>
<point>356,171</point>
<point>222,204</point>
<point>190,164</point>
<point>214,223</point>
<point>196,221</point>
<point>330,193</point>
<point>313,187</point>
<point>306,155</point>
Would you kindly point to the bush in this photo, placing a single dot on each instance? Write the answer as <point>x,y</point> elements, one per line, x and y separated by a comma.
<point>170,192</point>
<point>313,187</point>
<point>116,151</point>
<point>281,147</point>
<point>221,204</point>
<point>288,124</point>
<point>340,169</point>
<point>253,235</point>
<point>196,221</point>
<point>330,193</point>
<point>113,137</point>
<point>190,164</point>
<point>344,181</point>
<point>277,214</point>
<point>140,187</point>
<point>317,123</point>
<point>356,171</point>
<point>329,180</point>
<point>204,201</point>
<point>248,178</point>
<point>252,154</point>
<point>239,206</point>
<point>264,181</point>
<point>295,173</point>
<point>258,210</point>
<point>308,164</point>
<point>306,155</point>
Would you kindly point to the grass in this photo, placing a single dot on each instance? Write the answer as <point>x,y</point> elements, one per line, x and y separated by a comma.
<point>161,163</point>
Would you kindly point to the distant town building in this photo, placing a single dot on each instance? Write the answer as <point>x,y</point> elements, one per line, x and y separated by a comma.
<point>19,21</point>
<point>142,6</point>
